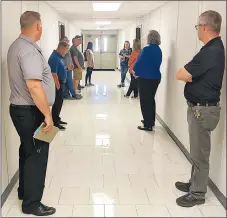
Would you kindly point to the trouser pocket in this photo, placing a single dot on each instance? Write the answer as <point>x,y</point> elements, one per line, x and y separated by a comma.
<point>208,116</point>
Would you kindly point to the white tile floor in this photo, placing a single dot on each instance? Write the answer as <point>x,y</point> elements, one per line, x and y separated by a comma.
<point>103,166</point>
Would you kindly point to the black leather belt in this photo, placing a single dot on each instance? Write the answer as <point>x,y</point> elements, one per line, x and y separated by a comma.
<point>22,106</point>
<point>205,104</point>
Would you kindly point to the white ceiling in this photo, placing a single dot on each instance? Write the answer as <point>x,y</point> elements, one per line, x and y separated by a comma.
<point>82,14</point>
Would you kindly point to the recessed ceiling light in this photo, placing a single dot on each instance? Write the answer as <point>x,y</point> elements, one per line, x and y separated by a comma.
<point>106,6</point>
<point>103,22</point>
<point>100,28</point>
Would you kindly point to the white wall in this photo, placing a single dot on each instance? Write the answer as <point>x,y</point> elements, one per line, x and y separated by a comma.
<point>175,22</point>
<point>48,42</point>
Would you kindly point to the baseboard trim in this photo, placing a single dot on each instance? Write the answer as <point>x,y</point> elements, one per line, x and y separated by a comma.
<point>219,195</point>
<point>9,188</point>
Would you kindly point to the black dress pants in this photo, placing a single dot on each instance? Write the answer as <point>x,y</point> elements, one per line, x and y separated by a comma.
<point>33,155</point>
<point>133,87</point>
<point>148,88</point>
<point>56,109</point>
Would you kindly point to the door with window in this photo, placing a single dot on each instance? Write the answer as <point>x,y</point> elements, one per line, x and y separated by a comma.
<point>104,48</point>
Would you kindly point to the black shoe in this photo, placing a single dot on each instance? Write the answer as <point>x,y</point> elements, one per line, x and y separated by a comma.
<point>119,86</point>
<point>184,187</point>
<point>189,201</point>
<point>142,121</point>
<point>145,128</point>
<point>62,128</point>
<point>69,98</point>
<point>46,207</point>
<point>90,84</point>
<point>63,123</point>
<point>122,85</point>
<point>127,96</point>
<point>42,210</point>
<point>78,97</point>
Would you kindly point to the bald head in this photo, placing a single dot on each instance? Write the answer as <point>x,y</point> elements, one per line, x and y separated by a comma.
<point>28,18</point>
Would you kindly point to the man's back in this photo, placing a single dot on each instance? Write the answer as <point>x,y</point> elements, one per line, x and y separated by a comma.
<point>25,62</point>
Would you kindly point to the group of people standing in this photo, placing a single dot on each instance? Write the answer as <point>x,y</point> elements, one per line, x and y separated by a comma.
<point>202,76</point>
<point>144,69</point>
<point>36,86</point>
<point>67,68</point>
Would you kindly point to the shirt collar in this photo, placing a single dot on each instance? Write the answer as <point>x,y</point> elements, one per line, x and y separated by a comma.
<point>212,41</point>
<point>56,53</point>
<point>30,41</point>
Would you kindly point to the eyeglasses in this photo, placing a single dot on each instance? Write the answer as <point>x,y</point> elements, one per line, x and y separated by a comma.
<point>196,26</point>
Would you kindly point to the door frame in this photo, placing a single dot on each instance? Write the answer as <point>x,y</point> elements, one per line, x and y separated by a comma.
<point>61,30</point>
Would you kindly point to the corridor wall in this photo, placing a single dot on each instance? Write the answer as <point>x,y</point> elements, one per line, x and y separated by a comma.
<point>11,12</point>
<point>176,22</point>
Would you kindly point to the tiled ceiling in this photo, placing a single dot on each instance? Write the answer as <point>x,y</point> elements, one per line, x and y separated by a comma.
<point>81,12</point>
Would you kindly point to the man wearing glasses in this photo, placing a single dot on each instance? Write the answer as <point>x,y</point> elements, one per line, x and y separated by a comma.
<point>203,76</point>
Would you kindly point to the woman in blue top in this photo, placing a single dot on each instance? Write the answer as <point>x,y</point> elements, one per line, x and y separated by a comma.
<point>147,68</point>
<point>124,57</point>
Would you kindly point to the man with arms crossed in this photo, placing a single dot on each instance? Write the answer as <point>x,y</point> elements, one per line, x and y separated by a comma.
<point>32,94</point>
<point>203,76</point>
<point>59,73</point>
<point>78,61</point>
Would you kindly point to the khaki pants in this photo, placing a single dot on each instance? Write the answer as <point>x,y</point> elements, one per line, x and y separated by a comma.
<point>77,74</point>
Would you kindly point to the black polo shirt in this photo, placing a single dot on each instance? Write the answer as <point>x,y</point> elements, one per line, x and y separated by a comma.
<point>207,69</point>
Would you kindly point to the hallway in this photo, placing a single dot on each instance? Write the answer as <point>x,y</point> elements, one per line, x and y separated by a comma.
<point>103,166</point>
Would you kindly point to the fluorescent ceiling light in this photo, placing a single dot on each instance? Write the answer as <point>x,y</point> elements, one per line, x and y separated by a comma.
<point>103,22</point>
<point>106,6</point>
<point>100,28</point>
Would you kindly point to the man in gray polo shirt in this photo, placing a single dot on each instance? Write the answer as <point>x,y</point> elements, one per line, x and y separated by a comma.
<point>32,94</point>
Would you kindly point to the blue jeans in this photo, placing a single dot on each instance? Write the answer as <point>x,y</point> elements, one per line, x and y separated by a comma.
<point>69,86</point>
<point>124,70</point>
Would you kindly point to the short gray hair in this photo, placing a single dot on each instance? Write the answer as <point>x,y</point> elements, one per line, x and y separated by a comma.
<point>28,18</point>
<point>153,37</point>
<point>212,20</point>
